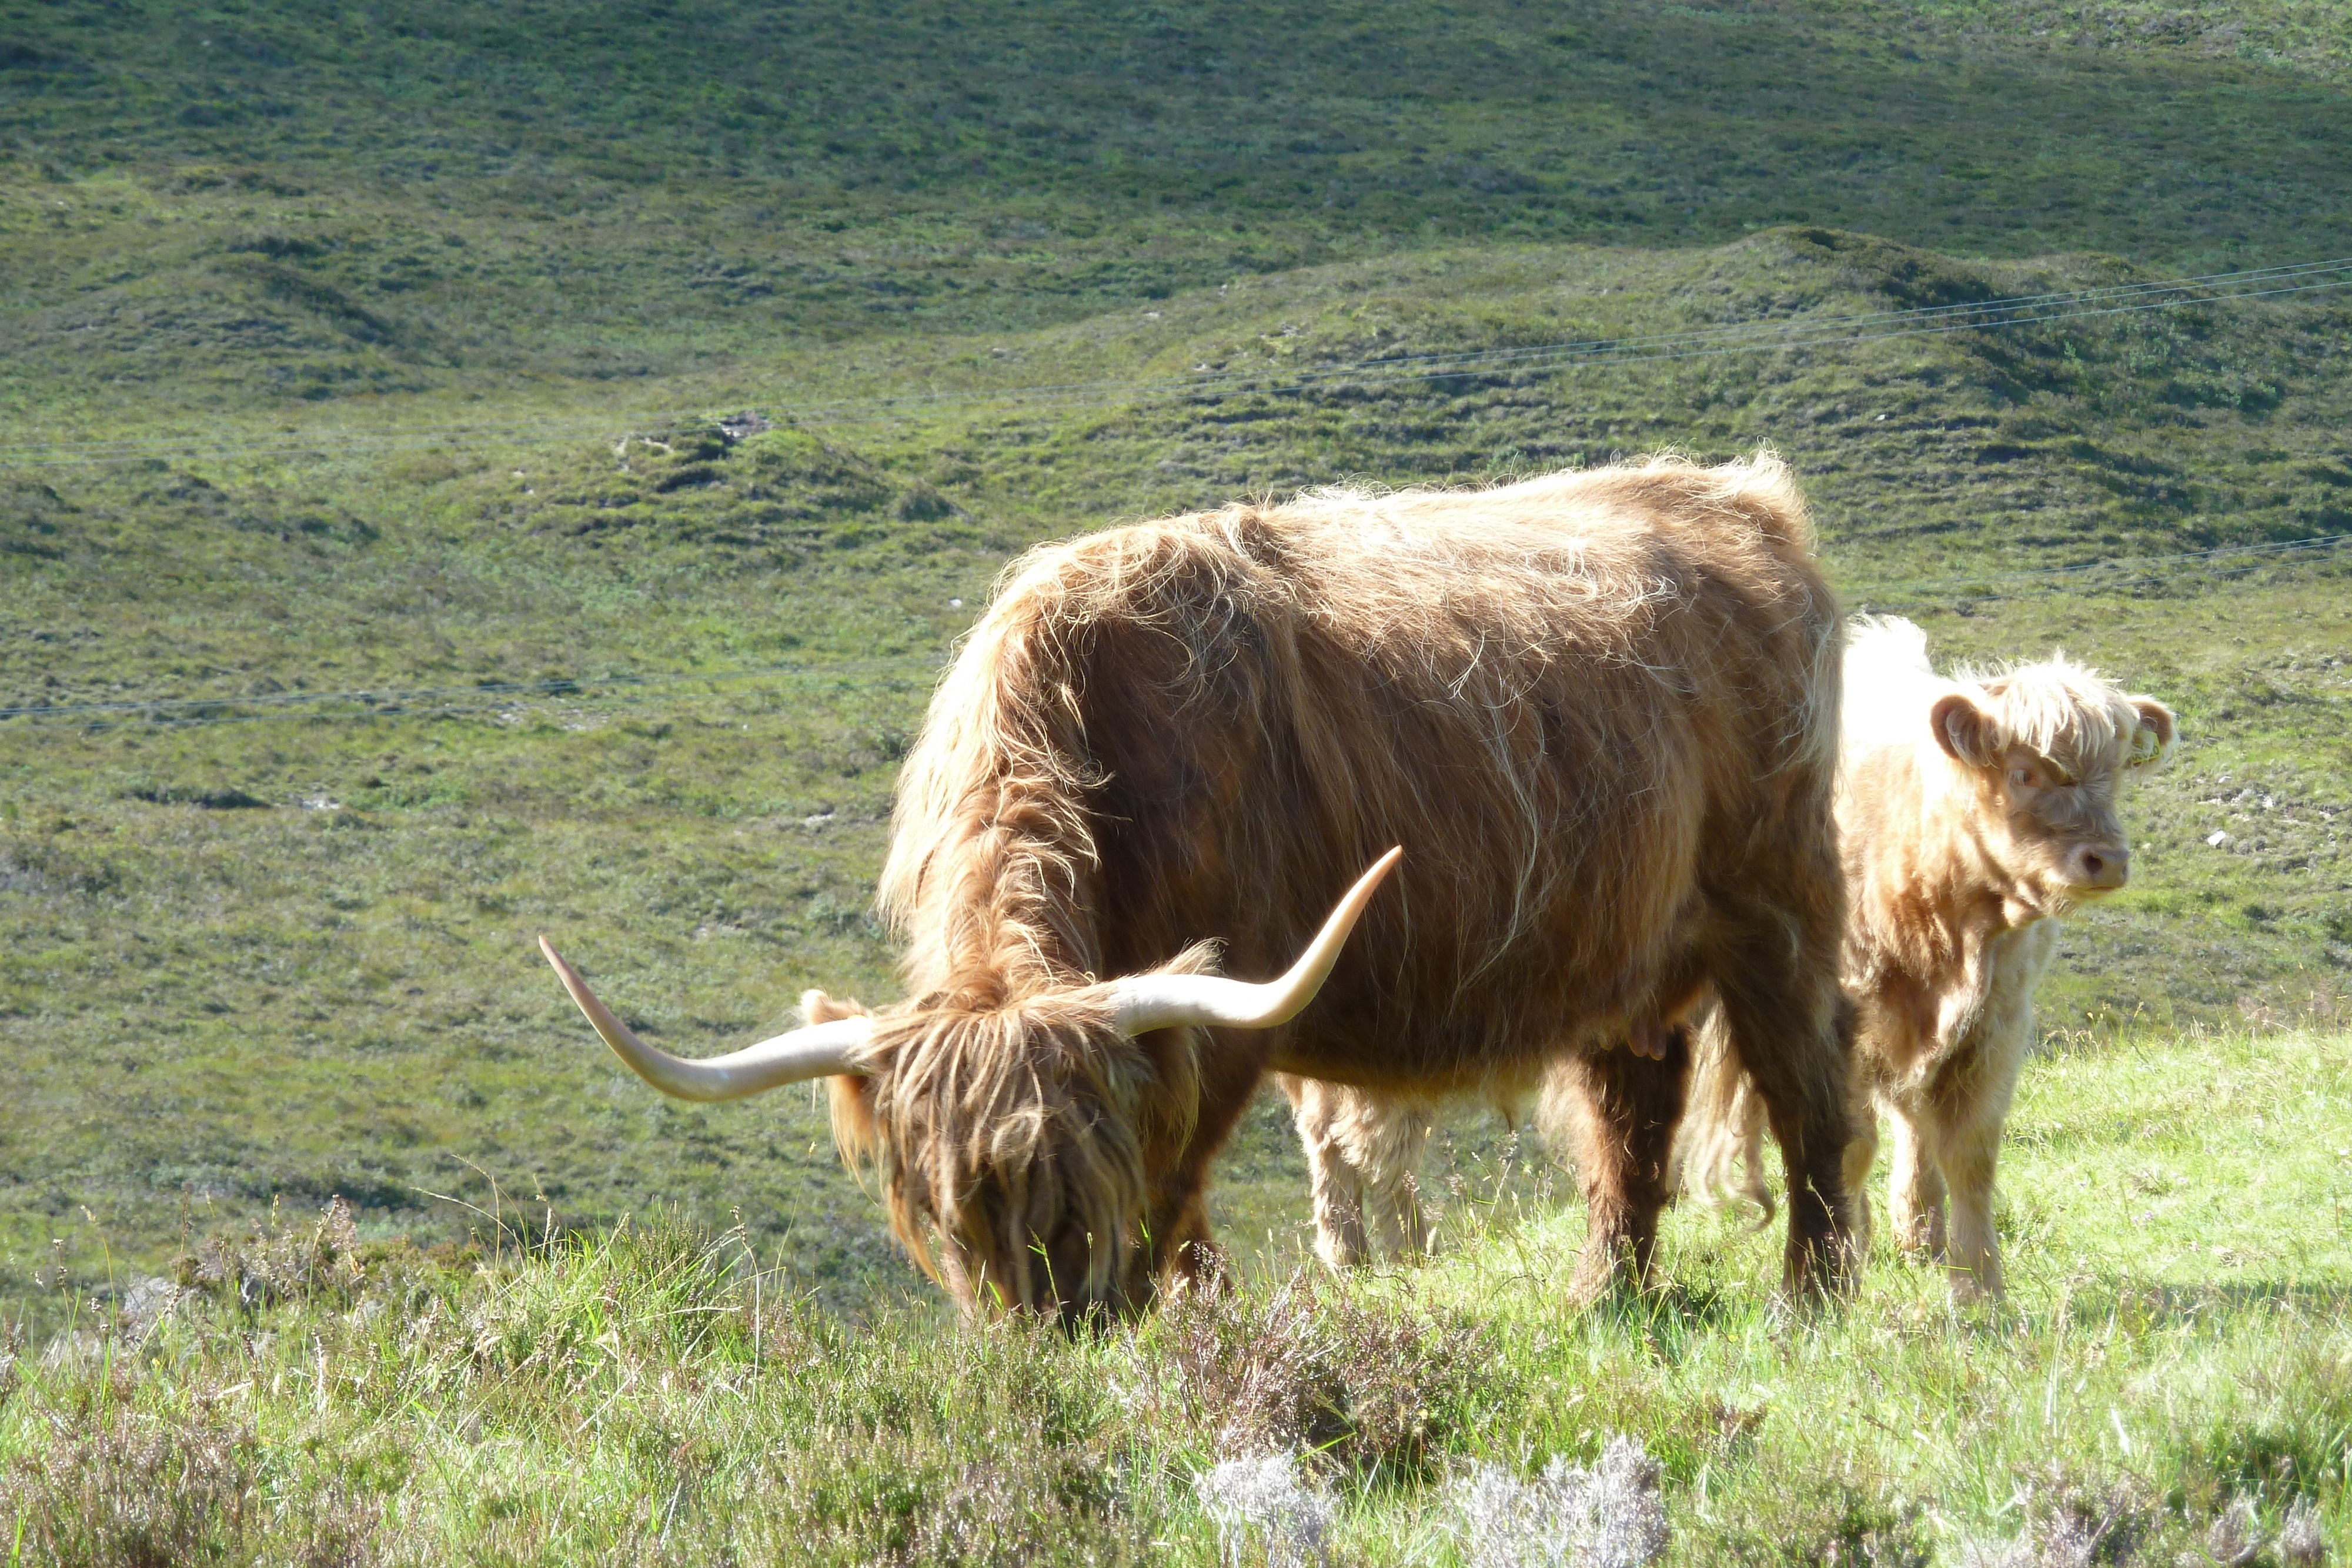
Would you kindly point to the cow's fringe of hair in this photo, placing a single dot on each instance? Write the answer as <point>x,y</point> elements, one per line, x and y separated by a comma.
<point>1040,1100</point>
<point>2065,711</point>
<point>1002,1126</point>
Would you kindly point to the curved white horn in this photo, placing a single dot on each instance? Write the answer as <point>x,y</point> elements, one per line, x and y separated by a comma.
<point>1165,1001</point>
<point>820,1050</point>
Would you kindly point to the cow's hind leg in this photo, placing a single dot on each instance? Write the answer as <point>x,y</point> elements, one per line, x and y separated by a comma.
<point>1794,1036</point>
<point>1629,1106</point>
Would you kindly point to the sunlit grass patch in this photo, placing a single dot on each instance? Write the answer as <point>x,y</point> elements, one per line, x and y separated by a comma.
<point>654,1393</point>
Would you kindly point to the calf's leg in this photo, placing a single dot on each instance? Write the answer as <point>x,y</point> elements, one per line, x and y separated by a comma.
<point>1363,1158</point>
<point>1332,1179</point>
<point>1388,1159</point>
<point>1969,1117</point>
<point>1915,1184</point>
<point>1861,1153</point>
<point>1974,1258</point>
<point>1970,1100</point>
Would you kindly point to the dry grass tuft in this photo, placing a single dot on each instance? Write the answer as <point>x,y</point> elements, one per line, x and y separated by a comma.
<point>121,1486</point>
<point>1370,1386</point>
<point>1609,1516</point>
<point>276,1262</point>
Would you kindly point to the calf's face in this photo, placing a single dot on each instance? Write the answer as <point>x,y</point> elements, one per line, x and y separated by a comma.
<point>2047,813</point>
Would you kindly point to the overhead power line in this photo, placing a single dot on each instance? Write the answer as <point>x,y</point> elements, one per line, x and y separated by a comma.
<point>1706,342</point>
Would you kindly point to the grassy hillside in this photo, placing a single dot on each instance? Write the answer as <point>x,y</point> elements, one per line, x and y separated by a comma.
<point>238,203</point>
<point>348,354</point>
<point>2172,1383</point>
<point>265,945</point>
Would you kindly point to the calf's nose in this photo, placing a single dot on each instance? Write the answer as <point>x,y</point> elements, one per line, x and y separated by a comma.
<point>2102,866</point>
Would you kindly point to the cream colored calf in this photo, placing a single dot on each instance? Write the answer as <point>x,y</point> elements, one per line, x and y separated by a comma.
<point>1973,811</point>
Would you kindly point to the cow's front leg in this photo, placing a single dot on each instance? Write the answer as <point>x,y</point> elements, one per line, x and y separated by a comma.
<point>1194,1258</point>
<point>1628,1106</point>
<point>1177,1246</point>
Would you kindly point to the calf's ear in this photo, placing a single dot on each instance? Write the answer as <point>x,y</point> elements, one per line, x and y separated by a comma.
<point>1965,731</point>
<point>2153,744</point>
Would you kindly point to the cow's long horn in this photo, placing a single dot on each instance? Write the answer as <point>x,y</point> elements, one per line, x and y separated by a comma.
<point>1166,1001</point>
<point>820,1050</point>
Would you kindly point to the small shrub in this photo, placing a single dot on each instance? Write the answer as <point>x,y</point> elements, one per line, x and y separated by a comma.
<point>1025,1510</point>
<point>1372,1387</point>
<point>2302,1541</point>
<point>2077,1526</point>
<point>136,1488</point>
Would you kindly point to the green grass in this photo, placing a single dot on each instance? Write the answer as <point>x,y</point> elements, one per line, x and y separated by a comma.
<point>2174,1343</point>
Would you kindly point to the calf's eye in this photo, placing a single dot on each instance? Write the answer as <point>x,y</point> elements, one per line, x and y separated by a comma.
<point>2021,777</point>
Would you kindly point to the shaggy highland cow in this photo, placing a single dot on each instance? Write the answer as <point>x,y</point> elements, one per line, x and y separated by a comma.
<point>1600,710</point>
<point>1975,810</point>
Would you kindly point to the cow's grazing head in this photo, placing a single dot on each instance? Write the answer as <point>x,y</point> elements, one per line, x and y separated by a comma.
<point>1019,1135</point>
<point>2045,747</point>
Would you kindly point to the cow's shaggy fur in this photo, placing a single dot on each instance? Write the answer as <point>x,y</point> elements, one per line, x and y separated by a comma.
<point>1598,709</point>
<point>1975,810</point>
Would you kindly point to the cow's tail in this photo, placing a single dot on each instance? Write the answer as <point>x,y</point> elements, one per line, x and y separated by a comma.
<point>1719,1151</point>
